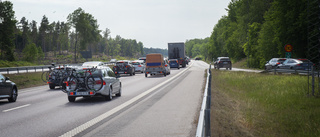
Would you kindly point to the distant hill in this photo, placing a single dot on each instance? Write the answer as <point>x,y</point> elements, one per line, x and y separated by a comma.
<point>164,52</point>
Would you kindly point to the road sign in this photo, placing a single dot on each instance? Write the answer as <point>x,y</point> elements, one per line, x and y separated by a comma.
<point>288,54</point>
<point>288,48</point>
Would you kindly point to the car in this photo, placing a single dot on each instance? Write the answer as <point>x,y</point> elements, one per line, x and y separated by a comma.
<point>92,64</point>
<point>167,66</point>
<point>143,58</point>
<point>188,60</point>
<point>197,58</point>
<point>174,63</point>
<point>111,85</point>
<point>273,63</point>
<point>124,67</point>
<point>297,64</point>
<point>138,65</point>
<point>113,61</point>
<point>223,62</point>
<point>8,89</point>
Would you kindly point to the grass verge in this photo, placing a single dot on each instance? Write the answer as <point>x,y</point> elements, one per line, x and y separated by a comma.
<point>268,105</point>
<point>26,80</point>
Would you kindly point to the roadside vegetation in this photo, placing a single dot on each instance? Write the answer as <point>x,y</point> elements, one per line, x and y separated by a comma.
<point>26,80</point>
<point>259,30</point>
<point>263,105</point>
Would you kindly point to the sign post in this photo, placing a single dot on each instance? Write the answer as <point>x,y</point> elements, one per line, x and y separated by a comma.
<point>288,49</point>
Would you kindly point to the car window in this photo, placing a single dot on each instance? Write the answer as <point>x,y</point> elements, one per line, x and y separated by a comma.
<point>2,78</point>
<point>224,59</point>
<point>111,73</point>
<point>135,63</point>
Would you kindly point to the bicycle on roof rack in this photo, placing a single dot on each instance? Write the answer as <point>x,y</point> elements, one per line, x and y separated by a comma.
<point>81,80</point>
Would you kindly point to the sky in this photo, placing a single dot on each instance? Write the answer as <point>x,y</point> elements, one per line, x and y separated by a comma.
<point>153,22</point>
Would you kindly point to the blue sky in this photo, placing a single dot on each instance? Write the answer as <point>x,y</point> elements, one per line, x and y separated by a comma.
<point>153,22</point>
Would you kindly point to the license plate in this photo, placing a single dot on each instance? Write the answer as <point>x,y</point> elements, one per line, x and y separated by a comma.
<point>120,72</point>
<point>225,62</point>
<point>81,93</point>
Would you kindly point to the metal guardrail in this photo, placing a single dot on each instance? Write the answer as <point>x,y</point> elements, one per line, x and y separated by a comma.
<point>292,71</point>
<point>27,69</point>
<point>203,129</point>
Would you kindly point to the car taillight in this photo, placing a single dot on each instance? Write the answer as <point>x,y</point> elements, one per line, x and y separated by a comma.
<point>166,65</point>
<point>139,65</point>
<point>177,61</point>
<point>298,64</point>
<point>278,63</point>
<point>104,83</point>
<point>67,83</point>
<point>219,62</point>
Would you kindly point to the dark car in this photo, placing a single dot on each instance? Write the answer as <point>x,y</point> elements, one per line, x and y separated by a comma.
<point>124,67</point>
<point>273,63</point>
<point>223,62</point>
<point>8,89</point>
<point>174,63</point>
<point>297,64</point>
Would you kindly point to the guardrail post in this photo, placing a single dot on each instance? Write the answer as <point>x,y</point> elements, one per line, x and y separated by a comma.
<point>7,71</point>
<point>35,69</point>
<point>18,70</point>
<point>27,70</point>
<point>312,73</point>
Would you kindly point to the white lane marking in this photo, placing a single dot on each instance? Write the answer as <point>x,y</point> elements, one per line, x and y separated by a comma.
<point>16,108</point>
<point>94,121</point>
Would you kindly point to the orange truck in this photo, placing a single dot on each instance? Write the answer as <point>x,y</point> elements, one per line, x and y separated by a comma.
<point>155,64</point>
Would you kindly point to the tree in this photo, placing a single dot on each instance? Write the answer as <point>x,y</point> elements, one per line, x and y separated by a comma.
<point>7,27</point>
<point>30,52</point>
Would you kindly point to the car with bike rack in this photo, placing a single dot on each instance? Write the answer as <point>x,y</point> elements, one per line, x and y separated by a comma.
<point>89,82</point>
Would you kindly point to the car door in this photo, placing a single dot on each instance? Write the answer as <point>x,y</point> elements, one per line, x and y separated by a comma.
<point>4,86</point>
<point>113,80</point>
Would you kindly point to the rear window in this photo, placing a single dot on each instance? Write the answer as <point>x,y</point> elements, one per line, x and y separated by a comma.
<point>225,59</point>
<point>135,63</point>
<point>172,60</point>
<point>118,63</point>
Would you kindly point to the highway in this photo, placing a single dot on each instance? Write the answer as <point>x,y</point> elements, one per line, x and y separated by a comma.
<point>152,106</point>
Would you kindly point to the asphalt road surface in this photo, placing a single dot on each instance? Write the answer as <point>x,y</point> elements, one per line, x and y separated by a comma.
<point>152,106</point>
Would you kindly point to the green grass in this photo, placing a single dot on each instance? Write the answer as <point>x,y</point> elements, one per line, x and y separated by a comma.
<point>272,105</point>
<point>4,63</point>
<point>26,80</point>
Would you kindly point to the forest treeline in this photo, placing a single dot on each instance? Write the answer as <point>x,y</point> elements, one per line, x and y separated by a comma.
<point>259,29</point>
<point>24,40</point>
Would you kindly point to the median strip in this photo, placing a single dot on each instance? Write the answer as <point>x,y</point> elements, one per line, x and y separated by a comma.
<point>94,121</point>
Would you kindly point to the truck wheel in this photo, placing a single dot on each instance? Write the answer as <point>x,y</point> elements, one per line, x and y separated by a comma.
<point>134,73</point>
<point>146,74</point>
<point>165,74</point>
<point>131,74</point>
<point>71,99</point>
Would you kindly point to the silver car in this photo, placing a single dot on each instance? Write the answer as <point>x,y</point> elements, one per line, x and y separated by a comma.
<point>111,85</point>
<point>139,65</point>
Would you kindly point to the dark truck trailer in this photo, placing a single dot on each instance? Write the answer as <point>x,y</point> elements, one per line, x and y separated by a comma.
<point>177,51</point>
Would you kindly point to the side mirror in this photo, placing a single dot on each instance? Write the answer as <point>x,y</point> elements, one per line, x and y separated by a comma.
<point>7,78</point>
